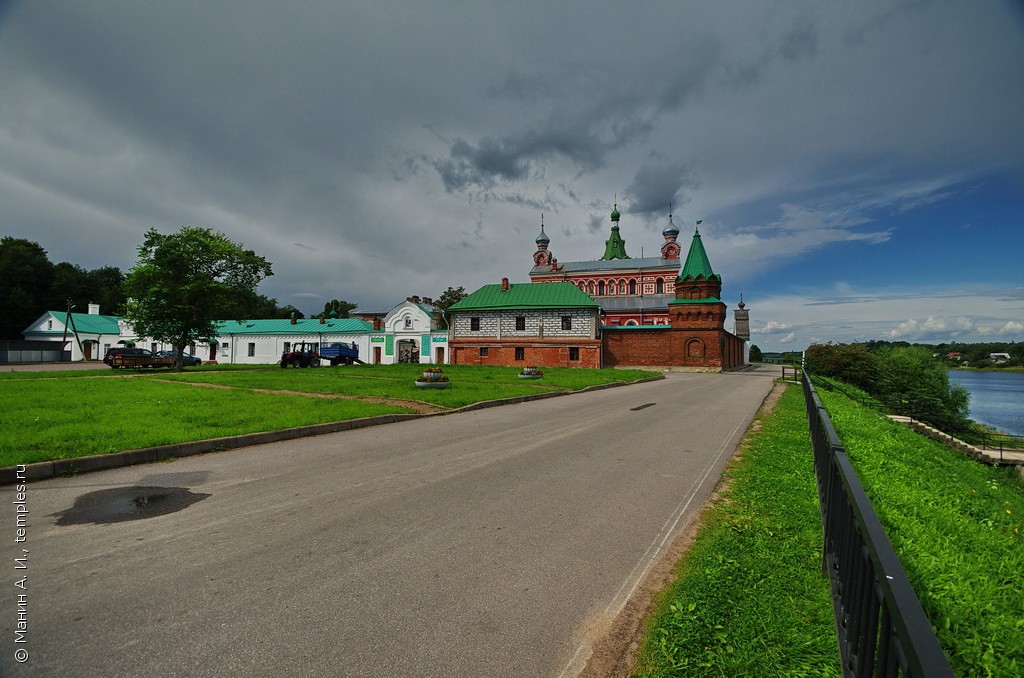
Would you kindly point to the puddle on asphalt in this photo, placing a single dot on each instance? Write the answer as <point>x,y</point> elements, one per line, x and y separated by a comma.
<point>119,504</point>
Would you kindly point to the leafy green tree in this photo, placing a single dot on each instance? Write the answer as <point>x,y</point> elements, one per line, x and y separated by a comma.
<point>26,275</point>
<point>450,296</point>
<point>184,282</point>
<point>339,306</point>
<point>852,363</point>
<point>755,354</point>
<point>913,383</point>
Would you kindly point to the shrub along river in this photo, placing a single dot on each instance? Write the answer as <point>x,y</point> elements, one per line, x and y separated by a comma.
<point>997,398</point>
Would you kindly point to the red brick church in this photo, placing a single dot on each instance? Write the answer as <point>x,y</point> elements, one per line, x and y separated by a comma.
<point>654,313</point>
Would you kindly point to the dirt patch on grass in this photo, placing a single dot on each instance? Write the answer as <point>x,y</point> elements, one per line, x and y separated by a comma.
<point>615,640</point>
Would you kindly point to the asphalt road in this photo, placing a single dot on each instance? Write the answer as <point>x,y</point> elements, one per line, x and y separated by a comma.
<point>476,544</point>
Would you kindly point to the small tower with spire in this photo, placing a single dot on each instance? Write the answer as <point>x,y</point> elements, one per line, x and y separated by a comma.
<point>741,321</point>
<point>542,257</point>
<point>615,246</point>
<point>671,249</point>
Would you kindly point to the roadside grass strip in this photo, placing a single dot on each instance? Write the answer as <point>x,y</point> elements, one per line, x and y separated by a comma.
<point>958,528</point>
<point>48,419</point>
<point>468,384</point>
<point>51,415</point>
<point>750,598</point>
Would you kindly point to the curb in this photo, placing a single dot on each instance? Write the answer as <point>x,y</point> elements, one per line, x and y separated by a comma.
<point>9,475</point>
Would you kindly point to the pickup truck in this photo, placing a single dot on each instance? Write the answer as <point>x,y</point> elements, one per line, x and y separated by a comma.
<point>340,352</point>
<point>135,357</point>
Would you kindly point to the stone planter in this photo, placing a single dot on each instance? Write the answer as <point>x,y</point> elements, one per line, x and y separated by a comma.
<point>432,384</point>
<point>523,375</point>
<point>431,376</point>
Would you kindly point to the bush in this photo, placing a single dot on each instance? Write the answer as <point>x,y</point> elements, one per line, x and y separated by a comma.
<point>852,363</point>
<point>912,383</point>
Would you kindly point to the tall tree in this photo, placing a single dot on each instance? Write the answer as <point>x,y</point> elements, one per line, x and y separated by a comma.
<point>26,275</point>
<point>450,296</point>
<point>339,306</point>
<point>184,282</point>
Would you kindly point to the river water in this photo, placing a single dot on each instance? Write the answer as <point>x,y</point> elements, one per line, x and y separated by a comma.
<point>997,398</point>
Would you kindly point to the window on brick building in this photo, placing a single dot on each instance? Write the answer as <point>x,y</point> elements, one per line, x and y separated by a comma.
<point>600,289</point>
<point>520,323</point>
<point>632,287</point>
<point>574,353</point>
<point>566,322</point>
<point>622,287</point>
<point>520,353</point>
<point>474,324</point>
<point>483,351</point>
<point>659,286</point>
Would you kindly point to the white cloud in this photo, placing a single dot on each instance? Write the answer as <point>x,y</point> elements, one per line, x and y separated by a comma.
<point>788,339</point>
<point>1010,328</point>
<point>931,327</point>
<point>770,327</point>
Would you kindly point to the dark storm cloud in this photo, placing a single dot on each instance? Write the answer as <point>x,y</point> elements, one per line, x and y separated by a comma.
<point>409,146</point>
<point>655,187</point>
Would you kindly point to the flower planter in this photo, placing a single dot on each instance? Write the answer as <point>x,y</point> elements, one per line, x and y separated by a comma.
<point>431,376</point>
<point>432,384</point>
<point>530,376</point>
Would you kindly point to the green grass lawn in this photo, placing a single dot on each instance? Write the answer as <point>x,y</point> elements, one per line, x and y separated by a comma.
<point>958,528</point>
<point>62,415</point>
<point>750,598</point>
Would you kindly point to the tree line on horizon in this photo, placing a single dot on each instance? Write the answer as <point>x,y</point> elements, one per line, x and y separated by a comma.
<point>31,284</point>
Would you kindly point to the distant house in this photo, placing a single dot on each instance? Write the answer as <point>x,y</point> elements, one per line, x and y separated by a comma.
<point>999,358</point>
<point>84,336</point>
<point>551,324</point>
<point>954,355</point>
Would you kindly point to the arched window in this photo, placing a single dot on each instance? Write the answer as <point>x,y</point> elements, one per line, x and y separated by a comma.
<point>590,288</point>
<point>600,289</point>
<point>659,286</point>
<point>632,287</point>
<point>622,287</point>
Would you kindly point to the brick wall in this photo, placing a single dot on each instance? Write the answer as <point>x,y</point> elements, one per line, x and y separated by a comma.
<point>673,347</point>
<point>554,353</point>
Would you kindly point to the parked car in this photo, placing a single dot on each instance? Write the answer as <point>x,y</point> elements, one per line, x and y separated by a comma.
<point>186,359</point>
<point>128,356</point>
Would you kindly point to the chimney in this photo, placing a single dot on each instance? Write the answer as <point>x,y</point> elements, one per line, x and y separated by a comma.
<point>376,324</point>
<point>504,284</point>
<point>293,318</point>
<point>322,319</point>
<point>428,301</point>
<point>94,309</point>
<point>415,299</point>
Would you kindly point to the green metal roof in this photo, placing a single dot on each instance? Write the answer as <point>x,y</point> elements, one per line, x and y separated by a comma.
<point>697,263</point>
<point>85,323</point>
<point>301,326</point>
<point>614,246</point>
<point>525,296</point>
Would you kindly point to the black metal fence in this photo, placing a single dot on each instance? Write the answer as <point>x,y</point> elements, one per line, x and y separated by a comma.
<point>882,628</point>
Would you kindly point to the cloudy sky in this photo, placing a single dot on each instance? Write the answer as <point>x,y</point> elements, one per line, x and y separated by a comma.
<point>858,167</point>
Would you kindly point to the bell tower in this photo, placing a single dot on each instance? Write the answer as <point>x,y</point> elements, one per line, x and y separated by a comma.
<point>542,257</point>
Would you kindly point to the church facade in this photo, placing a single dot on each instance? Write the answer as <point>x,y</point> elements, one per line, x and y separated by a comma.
<point>654,313</point>
<point>630,291</point>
